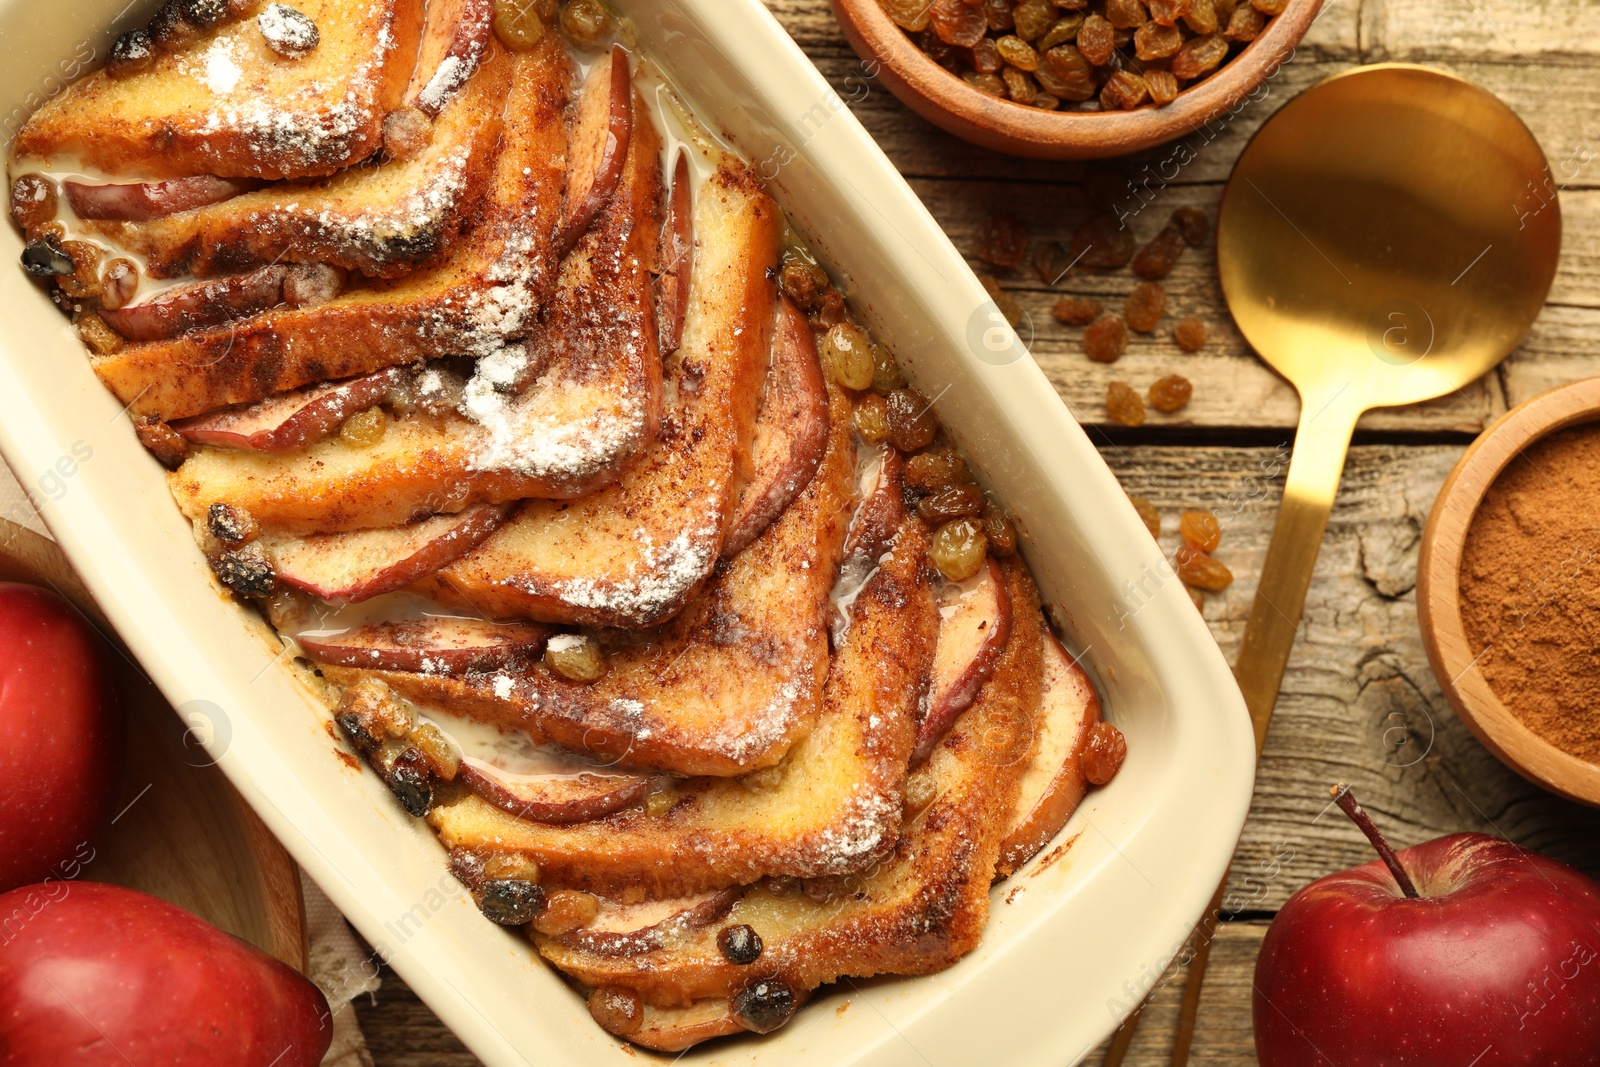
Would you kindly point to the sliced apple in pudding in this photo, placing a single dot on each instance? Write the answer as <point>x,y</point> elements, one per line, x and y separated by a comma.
<point>622,929</point>
<point>290,421</point>
<point>973,633</point>
<point>351,567</point>
<point>676,258</point>
<point>791,430</point>
<point>601,130</point>
<point>194,307</point>
<point>1054,784</point>
<point>487,289</point>
<point>429,645</point>
<point>456,34</point>
<point>554,799</point>
<point>142,201</point>
<point>634,554</point>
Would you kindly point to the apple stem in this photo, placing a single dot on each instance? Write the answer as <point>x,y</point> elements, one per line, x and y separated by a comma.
<point>1358,815</point>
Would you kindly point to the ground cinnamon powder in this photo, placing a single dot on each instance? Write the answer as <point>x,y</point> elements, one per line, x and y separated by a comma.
<point>1530,589</point>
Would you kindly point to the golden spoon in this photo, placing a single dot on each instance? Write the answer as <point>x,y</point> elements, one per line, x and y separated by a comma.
<point>1386,238</point>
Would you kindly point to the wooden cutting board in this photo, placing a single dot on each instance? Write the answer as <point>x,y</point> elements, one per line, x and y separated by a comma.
<point>183,832</point>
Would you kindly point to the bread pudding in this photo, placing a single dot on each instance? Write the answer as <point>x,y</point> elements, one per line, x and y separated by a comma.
<point>622,552</point>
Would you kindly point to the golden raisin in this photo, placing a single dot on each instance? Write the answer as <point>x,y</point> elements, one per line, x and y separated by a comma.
<point>1156,259</point>
<point>933,470</point>
<point>1032,18</point>
<point>586,23</point>
<point>998,14</point>
<point>958,549</point>
<point>802,280</point>
<point>167,445</point>
<point>618,1011</point>
<point>1201,530</point>
<point>909,15</point>
<point>1003,300</point>
<point>1101,243</point>
<point>1147,514</point>
<point>365,429</point>
<point>1063,31</point>
<point>1144,306</point>
<point>1103,754</point>
<point>1270,7</point>
<point>1201,17</point>
<point>659,803</point>
<point>84,281</point>
<point>1171,394</point>
<point>1167,12</point>
<point>829,309</point>
<point>517,24</point>
<point>1066,73</point>
<point>958,23</point>
<point>1000,531</point>
<point>872,419</point>
<point>1097,40</point>
<point>847,356</point>
<point>986,57</point>
<point>33,202</point>
<point>1195,224</point>
<point>407,132</point>
<point>951,502</point>
<point>1019,86</point>
<point>1126,14</point>
<point>1018,53</point>
<point>564,911</point>
<point>1076,310</point>
<point>1124,405</point>
<point>1201,570</point>
<point>511,867</point>
<point>101,339</point>
<point>1123,91</point>
<point>985,83</point>
<point>1155,41</point>
<point>1199,56</point>
<point>1190,334</point>
<point>1105,339</point>
<point>119,284</point>
<point>1163,86</point>
<point>1002,240</point>
<point>1246,24</point>
<point>575,657</point>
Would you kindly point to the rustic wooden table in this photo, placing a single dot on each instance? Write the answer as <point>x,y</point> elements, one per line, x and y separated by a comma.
<point>1359,703</point>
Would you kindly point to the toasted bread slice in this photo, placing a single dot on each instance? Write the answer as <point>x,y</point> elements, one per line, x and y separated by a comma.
<point>381,220</point>
<point>728,687</point>
<point>486,290</point>
<point>918,911</point>
<point>227,104</point>
<point>832,807</point>
<point>633,555</point>
<point>573,429</point>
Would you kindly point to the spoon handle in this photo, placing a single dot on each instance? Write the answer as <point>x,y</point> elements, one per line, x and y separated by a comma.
<point>1320,445</point>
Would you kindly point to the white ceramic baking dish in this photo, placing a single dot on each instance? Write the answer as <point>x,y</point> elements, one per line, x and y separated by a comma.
<point>1061,960</point>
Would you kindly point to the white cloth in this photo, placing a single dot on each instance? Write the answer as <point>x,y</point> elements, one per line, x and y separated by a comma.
<point>335,961</point>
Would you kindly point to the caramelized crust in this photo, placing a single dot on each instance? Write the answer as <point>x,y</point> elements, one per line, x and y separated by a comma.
<point>917,911</point>
<point>487,289</point>
<point>831,808</point>
<point>577,423</point>
<point>381,219</point>
<point>634,555</point>
<point>227,104</point>
<point>729,686</point>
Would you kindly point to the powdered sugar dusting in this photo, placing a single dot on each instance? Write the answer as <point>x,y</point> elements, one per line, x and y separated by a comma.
<point>222,73</point>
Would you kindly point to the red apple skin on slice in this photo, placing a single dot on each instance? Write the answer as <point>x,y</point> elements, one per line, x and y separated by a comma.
<point>971,637</point>
<point>677,259</point>
<point>195,307</point>
<point>791,430</point>
<point>290,421</point>
<point>601,129</point>
<point>441,645</point>
<point>454,40</point>
<point>346,568</point>
<point>612,935</point>
<point>1054,784</point>
<point>151,200</point>
<point>560,800</point>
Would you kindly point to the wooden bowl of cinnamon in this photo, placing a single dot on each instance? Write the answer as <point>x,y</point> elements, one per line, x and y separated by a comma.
<point>1508,589</point>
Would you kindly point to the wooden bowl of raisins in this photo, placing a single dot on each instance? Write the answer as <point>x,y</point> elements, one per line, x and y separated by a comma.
<point>1074,79</point>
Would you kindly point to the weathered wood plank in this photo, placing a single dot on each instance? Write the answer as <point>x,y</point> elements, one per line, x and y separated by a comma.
<point>1554,32</point>
<point>1359,703</point>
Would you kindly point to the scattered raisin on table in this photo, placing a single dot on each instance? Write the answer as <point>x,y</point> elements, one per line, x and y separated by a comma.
<point>1105,339</point>
<point>1002,240</point>
<point>1190,334</point>
<point>1050,262</point>
<point>1124,405</point>
<point>1195,224</point>
<point>1076,310</point>
<point>1147,514</point>
<point>1200,530</point>
<point>1103,754</point>
<point>1003,300</point>
<point>1101,243</point>
<point>1171,394</point>
<point>1202,570</point>
<point>1156,259</point>
<point>1144,306</point>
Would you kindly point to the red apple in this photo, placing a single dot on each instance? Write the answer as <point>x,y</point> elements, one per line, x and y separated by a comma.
<point>1466,951</point>
<point>95,975</point>
<point>154,200</point>
<point>60,736</point>
<point>290,421</point>
<point>972,633</point>
<point>601,129</point>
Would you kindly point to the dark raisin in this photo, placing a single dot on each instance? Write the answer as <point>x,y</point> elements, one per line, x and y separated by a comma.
<point>912,423</point>
<point>1195,224</point>
<point>247,571</point>
<point>1019,86</point>
<point>933,470</point>
<point>33,202</point>
<point>618,1011</point>
<point>1101,243</point>
<point>1246,24</point>
<point>288,31</point>
<point>1190,334</point>
<point>1163,86</point>
<point>355,728</point>
<point>167,445</point>
<point>1076,310</point>
<point>45,258</point>
<point>1167,12</point>
<point>1123,405</point>
<point>946,55</point>
<point>1002,240</point>
<point>1103,755</point>
<point>739,944</point>
<point>763,1006</point>
<point>1200,529</point>
<point>411,783</point>
<point>205,13</point>
<point>1155,41</point>
<point>1199,56</point>
<point>170,29</point>
<point>1144,306</point>
<point>1003,300</point>
<point>997,13</point>
<point>1126,14</point>
<point>986,57</point>
<point>131,53</point>
<point>829,309</point>
<point>1097,40</point>
<point>951,502</point>
<point>1171,394</point>
<point>1105,339</point>
<point>1201,570</point>
<point>1156,259</point>
<point>999,531</point>
<point>509,901</point>
<point>1051,262</point>
<point>231,526</point>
